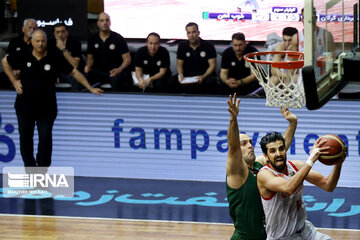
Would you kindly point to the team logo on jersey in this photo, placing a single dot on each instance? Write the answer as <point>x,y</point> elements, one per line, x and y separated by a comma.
<point>292,173</point>
<point>202,54</point>
<point>96,45</point>
<point>28,64</point>
<point>188,54</point>
<point>18,49</point>
<point>47,67</point>
<point>233,64</point>
<point>145,62</point>
<point>158,63</point>
<point>112,46</point>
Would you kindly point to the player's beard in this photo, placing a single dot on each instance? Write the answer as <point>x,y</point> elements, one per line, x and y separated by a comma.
<point>281,167</point>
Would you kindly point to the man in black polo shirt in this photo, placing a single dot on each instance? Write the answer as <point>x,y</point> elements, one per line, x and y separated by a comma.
<point>36,97</point>
<point>195,58</point>
<point>108,57</point>
<point>70,48</point>
<point>153,60</point>
<point>23,42</point>
<point>235,72</point>
<point>17,44</point>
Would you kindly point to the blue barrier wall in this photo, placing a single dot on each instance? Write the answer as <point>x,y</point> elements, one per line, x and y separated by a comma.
<point>173,137</point>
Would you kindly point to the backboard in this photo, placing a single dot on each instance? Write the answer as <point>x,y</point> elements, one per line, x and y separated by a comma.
<point>333,32</point>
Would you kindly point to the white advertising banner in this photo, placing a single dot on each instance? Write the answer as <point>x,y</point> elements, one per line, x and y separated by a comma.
<point>173,137</point>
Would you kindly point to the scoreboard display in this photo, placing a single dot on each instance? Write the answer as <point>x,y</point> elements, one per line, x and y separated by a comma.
<point>218,20</point>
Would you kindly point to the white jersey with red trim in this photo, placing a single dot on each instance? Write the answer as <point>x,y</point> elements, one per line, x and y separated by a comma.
<point>284,214</point>
<point>319,35</point>
<point>320,48</point>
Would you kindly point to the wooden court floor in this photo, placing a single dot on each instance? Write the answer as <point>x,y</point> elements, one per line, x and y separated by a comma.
<point>66,228</point>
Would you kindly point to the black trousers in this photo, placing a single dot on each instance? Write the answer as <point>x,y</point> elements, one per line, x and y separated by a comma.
<point>44,123</point>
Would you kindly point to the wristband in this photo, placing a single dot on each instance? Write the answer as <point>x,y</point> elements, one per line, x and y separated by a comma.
<point>63,50</point>
<point>309,162</point>
<point>312,154</point>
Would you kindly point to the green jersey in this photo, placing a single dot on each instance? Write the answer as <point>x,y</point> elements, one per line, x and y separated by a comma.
<point>246,209</point>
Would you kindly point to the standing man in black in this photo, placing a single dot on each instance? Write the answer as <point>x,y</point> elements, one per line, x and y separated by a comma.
<point>108,57</point>
<point>70,48</point>
<point>18,44</point>
<point>235,73</point>
<point>153,60</point>
<point>195,58</point>
<point>36,97</point>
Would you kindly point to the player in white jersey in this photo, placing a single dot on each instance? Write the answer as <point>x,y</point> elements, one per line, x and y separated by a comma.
<point>289,43</point>
<point>324,47</point>
<point>322,37</point>
<point>319,36</point>
<point>292,220</point>
<point>280,185</point>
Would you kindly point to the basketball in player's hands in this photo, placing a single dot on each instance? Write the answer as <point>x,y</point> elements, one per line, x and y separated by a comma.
<point>336,151</point>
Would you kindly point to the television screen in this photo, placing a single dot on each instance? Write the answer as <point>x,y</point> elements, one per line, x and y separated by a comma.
<point>72,13</point>
<point>218,20</point>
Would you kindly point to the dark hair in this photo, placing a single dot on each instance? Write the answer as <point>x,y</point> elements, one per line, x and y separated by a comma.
<point>238,36</point>
<point>289,31</point>
<point>60,25</point>
<point>153,34</point>
<point>302,11</point>
<point>191,24</point>
<point>270,137</point>
<point>314,13</point>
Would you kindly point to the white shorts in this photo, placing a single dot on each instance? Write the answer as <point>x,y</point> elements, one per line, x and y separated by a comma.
<point>308,232</point>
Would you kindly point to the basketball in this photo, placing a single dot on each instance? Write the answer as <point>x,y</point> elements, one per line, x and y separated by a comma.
<point>337,147</point>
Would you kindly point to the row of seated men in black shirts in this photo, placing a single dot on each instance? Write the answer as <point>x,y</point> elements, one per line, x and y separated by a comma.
<point>148,69</point>
<point>162,85</point>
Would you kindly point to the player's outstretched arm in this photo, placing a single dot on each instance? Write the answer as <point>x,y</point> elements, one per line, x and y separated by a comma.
<point>236,169</point>
<point>290,131</point>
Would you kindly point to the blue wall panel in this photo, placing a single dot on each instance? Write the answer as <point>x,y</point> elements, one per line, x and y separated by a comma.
<point>84,137</point>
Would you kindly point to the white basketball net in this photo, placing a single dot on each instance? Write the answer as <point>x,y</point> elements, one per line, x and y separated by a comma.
<point>283,87</point>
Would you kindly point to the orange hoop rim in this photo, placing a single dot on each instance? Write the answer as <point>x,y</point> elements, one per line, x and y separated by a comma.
<point>295,64</point>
